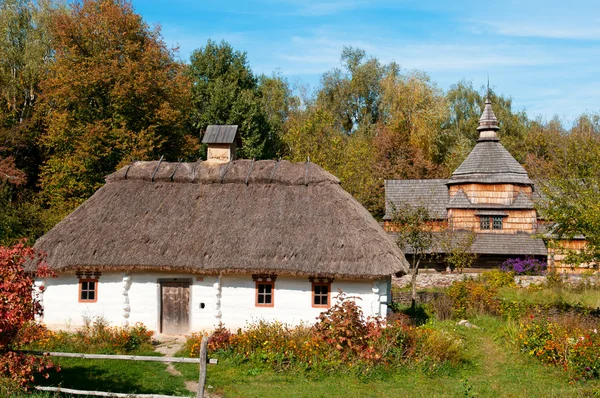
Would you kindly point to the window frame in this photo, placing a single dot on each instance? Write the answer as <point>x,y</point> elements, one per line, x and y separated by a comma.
<point>497,222</point>
<point>82,300</point>
<point>272,303</point>
<point>485,223</point>
<point>314,285</point>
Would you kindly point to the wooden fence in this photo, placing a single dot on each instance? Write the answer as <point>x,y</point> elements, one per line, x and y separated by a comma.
<point>202,360</point>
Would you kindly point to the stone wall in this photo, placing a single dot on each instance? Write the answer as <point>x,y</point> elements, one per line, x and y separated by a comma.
<point>427,280</point>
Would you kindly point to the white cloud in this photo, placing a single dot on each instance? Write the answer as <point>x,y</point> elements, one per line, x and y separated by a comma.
<point>548,29</point>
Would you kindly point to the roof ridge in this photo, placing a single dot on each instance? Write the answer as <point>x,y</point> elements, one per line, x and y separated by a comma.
<point>236,172</point>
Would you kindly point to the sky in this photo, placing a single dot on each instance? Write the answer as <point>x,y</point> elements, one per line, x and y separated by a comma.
<point>543,54</point>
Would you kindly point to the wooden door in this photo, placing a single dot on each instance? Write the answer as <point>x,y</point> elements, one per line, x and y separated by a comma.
<point>175,307</point>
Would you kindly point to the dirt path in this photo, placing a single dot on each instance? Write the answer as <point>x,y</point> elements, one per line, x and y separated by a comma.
<point>493,361</point>
<point>168,346</point>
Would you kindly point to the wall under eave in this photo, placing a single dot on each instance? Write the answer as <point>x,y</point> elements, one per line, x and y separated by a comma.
<point>135,297</point>
<point>490,193</point>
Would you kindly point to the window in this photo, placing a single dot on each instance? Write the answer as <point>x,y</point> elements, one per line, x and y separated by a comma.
<point>321,293</point>
<point>484,222</point>
<point>264,293</point>
<point>497,222</point>
<point>490,222</point>
<point>88,290</point>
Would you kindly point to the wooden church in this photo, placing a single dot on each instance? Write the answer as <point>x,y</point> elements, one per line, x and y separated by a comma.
<point>489,194</point>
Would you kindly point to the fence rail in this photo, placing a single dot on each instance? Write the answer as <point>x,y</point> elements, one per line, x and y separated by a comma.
<point>121,357</point>
<point>201,380</point>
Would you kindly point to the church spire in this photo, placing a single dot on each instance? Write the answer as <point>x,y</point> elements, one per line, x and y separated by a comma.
<point>488,123</point>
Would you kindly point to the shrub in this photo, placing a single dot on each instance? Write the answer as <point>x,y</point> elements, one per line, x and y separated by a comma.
<point>560,341</point>
<point>18,306</point>
<point>472,297</point>
<point>524,266</point>
<point>95,336</point>
<point>442,307</point>
<point>341,339</point>
<point>498,278</point>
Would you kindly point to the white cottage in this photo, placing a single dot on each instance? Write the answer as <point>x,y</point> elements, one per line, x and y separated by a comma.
<point>182,247</point>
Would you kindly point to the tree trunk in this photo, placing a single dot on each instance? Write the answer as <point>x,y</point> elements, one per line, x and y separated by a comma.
<point>413,282</point>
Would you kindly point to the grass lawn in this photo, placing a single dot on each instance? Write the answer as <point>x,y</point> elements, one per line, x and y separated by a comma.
<point>115,376</point>
<point>492,368</point>
<point>588,298</point>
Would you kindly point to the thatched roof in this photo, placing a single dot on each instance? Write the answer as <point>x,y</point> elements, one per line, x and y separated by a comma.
<point>239,217</point>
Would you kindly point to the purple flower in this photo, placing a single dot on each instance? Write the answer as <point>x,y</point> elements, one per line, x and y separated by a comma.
<point>524,266</point>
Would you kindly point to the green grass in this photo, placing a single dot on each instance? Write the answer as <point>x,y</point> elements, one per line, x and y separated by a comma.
<point>586,297</point>
<point>115,376</point>
<point>492,368</point>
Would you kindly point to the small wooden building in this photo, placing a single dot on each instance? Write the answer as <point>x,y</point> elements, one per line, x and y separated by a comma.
<point>490,194</point>
<point>182,247</point>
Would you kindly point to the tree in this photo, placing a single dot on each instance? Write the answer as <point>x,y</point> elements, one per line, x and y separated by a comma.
<point>414,234</point>
<point>114,93</point>
<point>465,105</point>
<point>456,248</point>
<point>26,54</point>
<point>225,91</point>
<point>18,306</point>
<point>571,188</point>
<point>353,96</point>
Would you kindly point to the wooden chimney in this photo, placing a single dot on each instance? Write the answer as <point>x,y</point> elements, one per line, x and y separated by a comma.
<point>222,141</point>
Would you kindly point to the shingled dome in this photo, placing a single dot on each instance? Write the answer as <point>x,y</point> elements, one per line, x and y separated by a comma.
<point>489,162</point>
<point>237,217</point>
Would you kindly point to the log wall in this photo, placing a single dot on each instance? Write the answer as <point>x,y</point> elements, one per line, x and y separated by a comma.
<point>491,193</point>
<point>516,221</point>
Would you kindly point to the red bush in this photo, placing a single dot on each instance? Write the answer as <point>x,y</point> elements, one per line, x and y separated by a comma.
<point>18,306</point>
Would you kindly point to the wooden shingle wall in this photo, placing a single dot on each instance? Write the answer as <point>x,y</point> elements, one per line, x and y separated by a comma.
<point>490,193</point>
<point>515,221</point>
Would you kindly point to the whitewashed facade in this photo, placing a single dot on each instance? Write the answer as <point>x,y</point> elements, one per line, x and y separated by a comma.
<point>127,298</point>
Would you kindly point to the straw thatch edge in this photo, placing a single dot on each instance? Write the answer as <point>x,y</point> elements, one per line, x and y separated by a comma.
<point>228,271</point>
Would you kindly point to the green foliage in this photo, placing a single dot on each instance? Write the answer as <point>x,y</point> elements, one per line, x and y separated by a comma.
<point>414,233</point>
<point>353,96</point>
<point>26,53</point>
<point>571,189</point>
<point>225,91</point>
<point>497,278</point>
<point>456,248</point>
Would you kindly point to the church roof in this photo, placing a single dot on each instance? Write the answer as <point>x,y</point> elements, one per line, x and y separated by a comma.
<point>489,162</point>
<point>431,194</point>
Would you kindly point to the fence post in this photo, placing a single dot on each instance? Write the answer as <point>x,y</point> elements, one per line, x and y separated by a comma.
<point>202,381</point>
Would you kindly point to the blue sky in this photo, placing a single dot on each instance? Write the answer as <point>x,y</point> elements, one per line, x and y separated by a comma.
<point>544,54</point>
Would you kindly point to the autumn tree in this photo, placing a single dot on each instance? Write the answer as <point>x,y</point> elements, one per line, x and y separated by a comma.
<point>225,91</point>
<point>114,93</point>
<point>19,305</point>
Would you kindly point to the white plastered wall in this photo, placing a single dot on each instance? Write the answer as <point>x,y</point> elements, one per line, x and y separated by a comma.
<point>127,298</point>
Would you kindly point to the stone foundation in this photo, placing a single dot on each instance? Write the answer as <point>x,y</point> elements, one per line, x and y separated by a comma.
<point>430,279</point>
